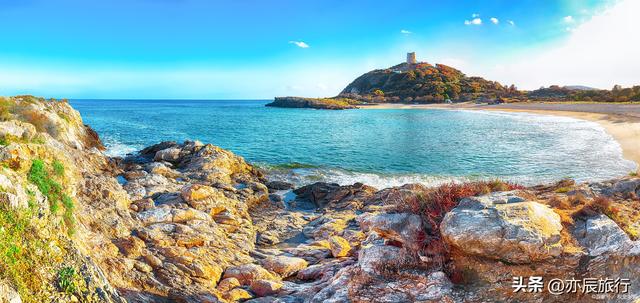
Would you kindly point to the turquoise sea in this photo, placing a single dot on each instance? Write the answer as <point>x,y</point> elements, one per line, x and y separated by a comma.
<point>379,147</point>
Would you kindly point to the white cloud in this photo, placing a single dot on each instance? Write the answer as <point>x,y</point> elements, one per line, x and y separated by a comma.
<point>568,19</point>
<point>495,20</point>
<point>475,15</point>
<point>475,21</point>
<point>299,44</point>
<point>600,52</point>
<point>511,22</point>
<point>405,32</point>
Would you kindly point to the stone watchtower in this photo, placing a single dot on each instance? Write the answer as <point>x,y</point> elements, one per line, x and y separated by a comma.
<point>411,58</point>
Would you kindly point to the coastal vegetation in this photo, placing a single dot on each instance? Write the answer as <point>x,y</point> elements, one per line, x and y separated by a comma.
<point>317,103</point>
<point>424,83</point>
<point>565,93</point>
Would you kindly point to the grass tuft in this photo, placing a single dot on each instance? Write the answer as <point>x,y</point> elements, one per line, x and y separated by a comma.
<point>66,280</point>
<point>53,190</point>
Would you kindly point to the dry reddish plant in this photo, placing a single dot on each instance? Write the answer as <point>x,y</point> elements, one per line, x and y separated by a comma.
<point>433,205</point>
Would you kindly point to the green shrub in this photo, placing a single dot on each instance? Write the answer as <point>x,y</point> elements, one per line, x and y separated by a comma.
<point>66,280</point>
<point>58,168</point>
<point>3,141</point>
<point>21,251</point>
<point>54,192</point>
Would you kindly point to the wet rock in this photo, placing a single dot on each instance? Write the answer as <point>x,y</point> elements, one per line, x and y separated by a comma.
<point>278,185</point>
<point>153,149</point>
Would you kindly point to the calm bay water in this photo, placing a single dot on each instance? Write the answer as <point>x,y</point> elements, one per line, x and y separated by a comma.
<point>377,147</point>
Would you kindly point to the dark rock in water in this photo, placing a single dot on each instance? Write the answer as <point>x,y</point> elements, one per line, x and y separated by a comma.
<point>317,103</point>
<point>153,149</point>
<point>278,185</point>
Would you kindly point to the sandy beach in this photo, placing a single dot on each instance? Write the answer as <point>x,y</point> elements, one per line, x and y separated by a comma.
<point>621,121</point>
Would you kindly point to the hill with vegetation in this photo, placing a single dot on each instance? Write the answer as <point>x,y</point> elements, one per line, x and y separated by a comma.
<point>423,83</point>
<point>439,83</point>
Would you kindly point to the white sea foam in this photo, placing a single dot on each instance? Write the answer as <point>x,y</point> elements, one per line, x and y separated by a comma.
<point>117,149</point>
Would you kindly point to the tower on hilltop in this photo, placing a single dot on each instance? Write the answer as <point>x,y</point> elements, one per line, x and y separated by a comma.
<point>411,58</point>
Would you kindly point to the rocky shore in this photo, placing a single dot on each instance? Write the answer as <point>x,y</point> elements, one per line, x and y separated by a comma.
<point>316,103</point>
<point>191,222</point>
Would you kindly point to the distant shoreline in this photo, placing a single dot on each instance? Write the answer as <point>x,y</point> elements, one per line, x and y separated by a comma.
<point>621,121</point>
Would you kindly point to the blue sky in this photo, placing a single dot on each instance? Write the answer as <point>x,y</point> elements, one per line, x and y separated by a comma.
<point>259,49</point>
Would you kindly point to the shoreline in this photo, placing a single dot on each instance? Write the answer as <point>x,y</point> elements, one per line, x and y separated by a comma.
<point>622,122</point>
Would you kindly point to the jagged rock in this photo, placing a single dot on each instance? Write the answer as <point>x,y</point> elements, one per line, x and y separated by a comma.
<point>265,287</point>
<point>284,266</point>
<point>401,227</point>
<point>153,149</point>
<point>371,259</point>
<point>170,154</point>
<point>237,294</point>
<point>228,284</point>
<point>323,194</point>
<point>327,226</point>
<point>205,198</point>
<point>339,246</point>
<point>599,235</point>
<point>247,273</point>
<point>131,247</point>
<point>496,227</point>
<point>278,185</point>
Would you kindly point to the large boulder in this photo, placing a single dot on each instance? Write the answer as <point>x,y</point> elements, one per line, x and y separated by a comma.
<point>503,226</point>
<point>284,266</point>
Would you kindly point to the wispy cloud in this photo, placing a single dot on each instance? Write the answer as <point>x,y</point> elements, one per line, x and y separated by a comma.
<point>475,15</point>
<point>494,20</point>
<point>568,19</point>
<point>299,44</point>
<point>599,53</point>
<point>511,22</point>
<point>474,21</point>
<point>405,32</point>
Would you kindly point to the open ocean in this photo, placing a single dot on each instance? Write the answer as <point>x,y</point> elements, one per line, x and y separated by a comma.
<point>378,147</point>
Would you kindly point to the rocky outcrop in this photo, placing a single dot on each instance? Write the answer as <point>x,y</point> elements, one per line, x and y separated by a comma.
<point>191,222</point>
<point>504,227</point>
<point>316,103</point>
